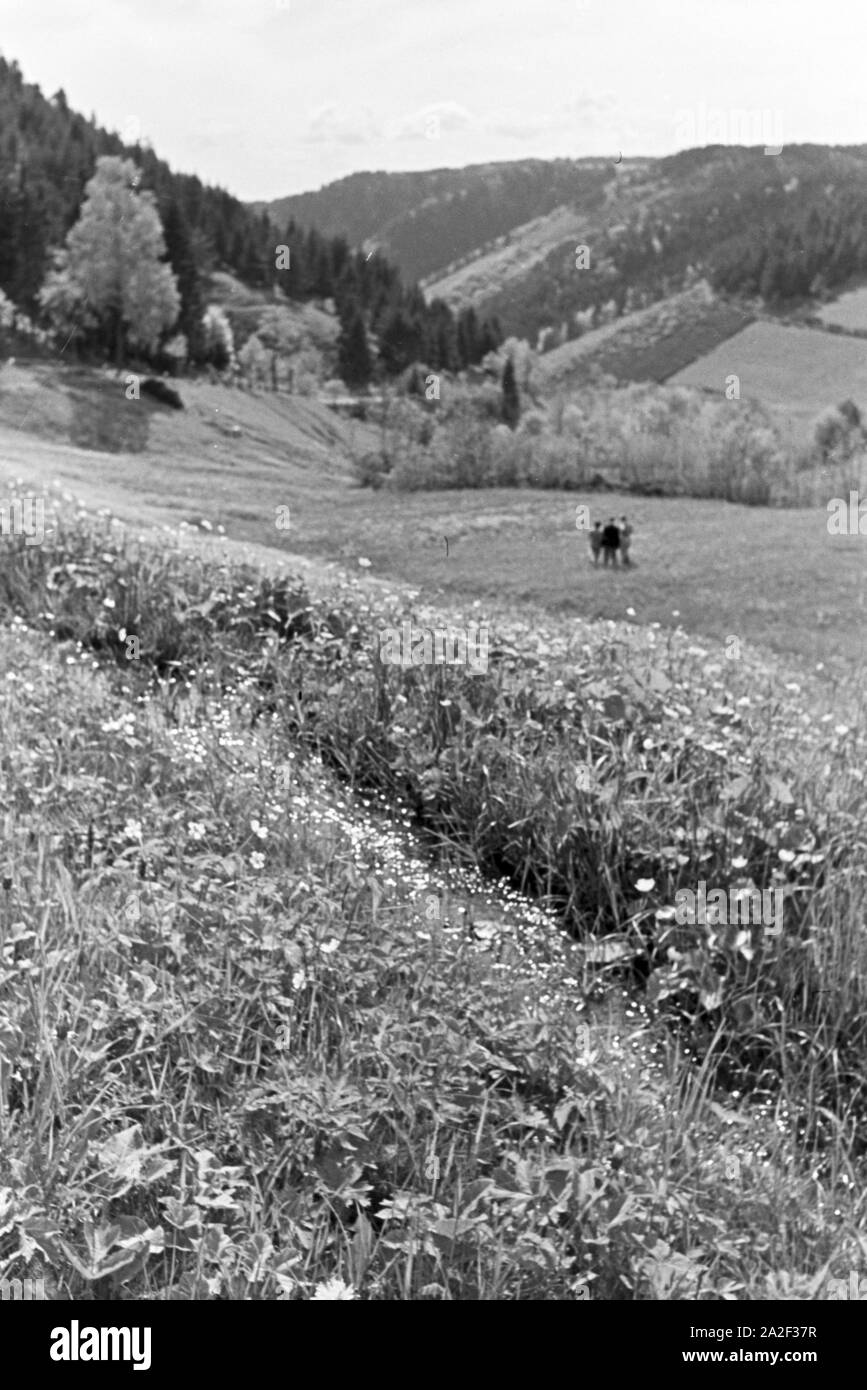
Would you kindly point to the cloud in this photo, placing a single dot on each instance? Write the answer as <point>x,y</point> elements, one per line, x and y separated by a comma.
<point>430,122</point>
<point>332,124</point>
<point>587,115</point>
<point>335,125</point>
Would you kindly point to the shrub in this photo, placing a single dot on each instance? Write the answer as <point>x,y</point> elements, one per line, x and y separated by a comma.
<point>218,343</point>
<point>371,468</point>
<point>533,423</point>
<point>160,391</point>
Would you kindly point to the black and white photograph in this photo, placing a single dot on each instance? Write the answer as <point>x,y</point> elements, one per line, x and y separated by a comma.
<point>433,640</point>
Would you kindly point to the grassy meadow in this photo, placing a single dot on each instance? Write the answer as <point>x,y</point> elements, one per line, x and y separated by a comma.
<point>849,311</point>
<point>795,371</point>
<point>771,576</point>
<point>263,1040</point>
<point>332,979</point>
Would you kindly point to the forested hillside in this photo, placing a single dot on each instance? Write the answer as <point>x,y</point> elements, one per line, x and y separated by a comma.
<point>424,221</point>
<point>780,227</point>
<point>48,154</point>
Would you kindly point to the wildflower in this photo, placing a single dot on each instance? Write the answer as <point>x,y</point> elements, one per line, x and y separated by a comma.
<point>299,979</point>
<point>739,863</point>
<point>196,830</point>
<point>334,1291</point>
<point>630,612</point>
<point>132,830</point>
<point>257,861</point>
<point>258,829</point>
<point>786,855</point>
<point>841,729</point>
<point>328,947</point>
<point>364,563</point>
<point>645,885</point>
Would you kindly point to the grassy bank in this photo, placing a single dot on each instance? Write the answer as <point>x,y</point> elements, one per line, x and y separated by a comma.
<point>246,1051</point>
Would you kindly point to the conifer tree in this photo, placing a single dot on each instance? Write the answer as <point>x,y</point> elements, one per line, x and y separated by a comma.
<point>181,256</point>
<point>510,409</point>
<point>353,354</point>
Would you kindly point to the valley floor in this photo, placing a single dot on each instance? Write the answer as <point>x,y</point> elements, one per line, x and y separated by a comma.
<point>774,579</point>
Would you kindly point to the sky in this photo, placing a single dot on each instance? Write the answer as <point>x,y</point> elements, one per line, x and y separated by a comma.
<point>271,97</point>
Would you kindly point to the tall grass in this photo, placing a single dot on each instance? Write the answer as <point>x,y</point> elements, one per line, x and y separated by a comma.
<point>241,1058</point>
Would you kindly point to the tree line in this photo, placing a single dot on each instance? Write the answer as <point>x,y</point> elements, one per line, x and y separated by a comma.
<point>817,248</point>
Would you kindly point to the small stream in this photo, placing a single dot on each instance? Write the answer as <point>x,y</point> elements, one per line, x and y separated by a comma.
<point>502,923</point>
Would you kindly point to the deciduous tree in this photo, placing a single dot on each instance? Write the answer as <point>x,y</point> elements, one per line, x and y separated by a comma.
<point>112,261</point>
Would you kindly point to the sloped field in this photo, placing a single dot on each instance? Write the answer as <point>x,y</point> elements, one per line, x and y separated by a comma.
<point>798,371</point>
<point>251,451</point>
<point>849,311</point>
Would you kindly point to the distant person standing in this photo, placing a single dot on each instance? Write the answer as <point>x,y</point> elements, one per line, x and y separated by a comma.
<point>596,541</point>
<point>610,543</point>
<point>625,540</point>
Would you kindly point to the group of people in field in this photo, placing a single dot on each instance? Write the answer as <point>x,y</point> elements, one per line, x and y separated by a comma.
<point>611,541</point>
